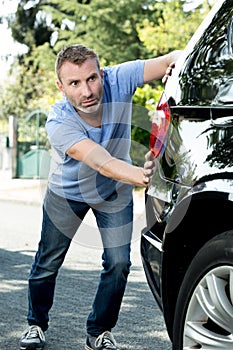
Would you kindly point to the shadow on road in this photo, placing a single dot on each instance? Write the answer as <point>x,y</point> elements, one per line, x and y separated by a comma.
<point>139,325</point>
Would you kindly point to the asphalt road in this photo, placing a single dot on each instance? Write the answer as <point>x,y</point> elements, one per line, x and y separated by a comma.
<point>140,325</point>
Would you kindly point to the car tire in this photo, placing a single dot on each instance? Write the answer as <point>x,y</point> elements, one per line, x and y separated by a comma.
<point>204,310</point>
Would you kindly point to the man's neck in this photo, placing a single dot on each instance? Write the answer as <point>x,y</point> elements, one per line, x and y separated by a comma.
<point>94,119</point>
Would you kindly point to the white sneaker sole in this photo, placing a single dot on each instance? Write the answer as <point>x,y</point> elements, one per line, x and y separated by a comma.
<point>88,347</point>
<point>31,348</point>
<point>27,348</point>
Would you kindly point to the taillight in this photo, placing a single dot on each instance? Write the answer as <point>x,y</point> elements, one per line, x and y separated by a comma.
<point>160,124</point>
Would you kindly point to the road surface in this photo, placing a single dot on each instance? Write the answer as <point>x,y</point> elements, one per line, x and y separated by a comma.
<point>140,325</point>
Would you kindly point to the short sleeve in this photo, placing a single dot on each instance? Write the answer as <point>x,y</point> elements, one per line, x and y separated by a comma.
<point>124,78</point>
<point>64,129</point>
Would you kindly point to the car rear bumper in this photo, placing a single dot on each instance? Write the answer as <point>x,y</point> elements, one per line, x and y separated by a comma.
<point>151,252</point>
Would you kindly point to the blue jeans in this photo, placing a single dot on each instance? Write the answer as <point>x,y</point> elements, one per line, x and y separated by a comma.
<point>61,219</point>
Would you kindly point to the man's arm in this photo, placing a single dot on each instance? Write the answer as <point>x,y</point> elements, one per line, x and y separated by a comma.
<point>98,158</point>
<point>159,67</point>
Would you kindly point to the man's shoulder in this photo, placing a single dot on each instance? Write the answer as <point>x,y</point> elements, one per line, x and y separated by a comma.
<point>60,108</point>
<point>127,65</point>
<point>60,104</point>
<point>124,78</point>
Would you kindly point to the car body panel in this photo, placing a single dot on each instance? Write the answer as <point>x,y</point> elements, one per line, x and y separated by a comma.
<point>190,198</point>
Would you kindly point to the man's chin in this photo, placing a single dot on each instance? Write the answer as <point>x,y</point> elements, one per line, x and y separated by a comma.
<point>89,109</point>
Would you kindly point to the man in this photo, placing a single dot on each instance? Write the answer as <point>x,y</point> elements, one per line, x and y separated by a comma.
<point>89,130</point>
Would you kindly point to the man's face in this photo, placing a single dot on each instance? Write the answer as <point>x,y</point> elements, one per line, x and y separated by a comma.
<point>82,85</point>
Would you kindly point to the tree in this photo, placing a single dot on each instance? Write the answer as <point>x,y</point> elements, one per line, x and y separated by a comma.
<point>117,30</point>
<point>110,27</point>
<point>30,24</point>
<point>45,27</point>
<point>175,25</point>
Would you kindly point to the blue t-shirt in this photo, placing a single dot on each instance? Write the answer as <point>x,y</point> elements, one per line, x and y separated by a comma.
<point>75,180</point>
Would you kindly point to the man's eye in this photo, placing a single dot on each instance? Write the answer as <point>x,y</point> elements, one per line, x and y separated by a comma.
<point>92,78</point>
<point>74,83</point>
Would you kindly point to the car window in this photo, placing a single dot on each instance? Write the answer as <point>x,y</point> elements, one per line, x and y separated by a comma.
<point>225,89</point>
<point>209,65</point>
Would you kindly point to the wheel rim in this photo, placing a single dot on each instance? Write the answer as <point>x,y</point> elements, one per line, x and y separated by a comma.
<point>209,319</point>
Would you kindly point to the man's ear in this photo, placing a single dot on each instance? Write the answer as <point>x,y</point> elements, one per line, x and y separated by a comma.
<point>59,85</point>
<point>102,73</point>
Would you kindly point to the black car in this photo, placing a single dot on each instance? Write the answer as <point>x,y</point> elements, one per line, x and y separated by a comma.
<point>187,245</point>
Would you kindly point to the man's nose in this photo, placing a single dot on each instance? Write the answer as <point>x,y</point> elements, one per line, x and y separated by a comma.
<point>86,90</point>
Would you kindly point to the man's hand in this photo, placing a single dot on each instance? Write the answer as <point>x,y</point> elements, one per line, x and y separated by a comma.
<point>168,72</point>
<point>149,167</point>
<point>160,67</point>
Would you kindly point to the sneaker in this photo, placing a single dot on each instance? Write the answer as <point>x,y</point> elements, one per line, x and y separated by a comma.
<point>32,338</point>
<point>103,341</point>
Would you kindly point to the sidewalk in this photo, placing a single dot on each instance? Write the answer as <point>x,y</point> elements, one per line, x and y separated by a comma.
<point>27,191</point>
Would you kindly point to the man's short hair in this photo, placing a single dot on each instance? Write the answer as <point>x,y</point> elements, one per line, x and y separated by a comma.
<point>76,54</point>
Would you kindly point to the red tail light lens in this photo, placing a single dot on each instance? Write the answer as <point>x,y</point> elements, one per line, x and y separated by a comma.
<point>160,125</point>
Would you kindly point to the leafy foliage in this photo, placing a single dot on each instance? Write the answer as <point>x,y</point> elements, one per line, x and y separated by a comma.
<point>117,30</point>
<point>174,28</point>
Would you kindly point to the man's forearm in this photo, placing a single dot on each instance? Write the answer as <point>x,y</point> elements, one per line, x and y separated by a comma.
<point>121,171</point>
<point>101,160</point>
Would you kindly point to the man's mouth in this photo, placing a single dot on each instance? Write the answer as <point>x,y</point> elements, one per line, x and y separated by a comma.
<point>89,103</point>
